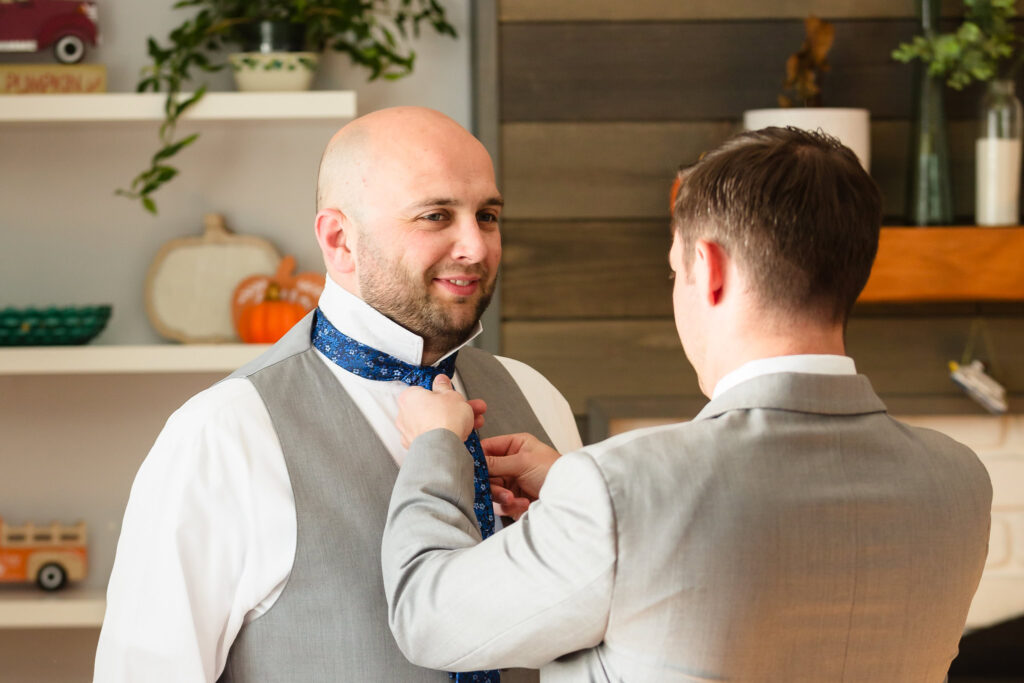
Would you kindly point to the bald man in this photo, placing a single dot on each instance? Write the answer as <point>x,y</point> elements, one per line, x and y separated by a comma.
<point>250,547</point>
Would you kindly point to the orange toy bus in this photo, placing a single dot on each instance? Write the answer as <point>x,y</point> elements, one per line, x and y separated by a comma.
<point>48,556</point>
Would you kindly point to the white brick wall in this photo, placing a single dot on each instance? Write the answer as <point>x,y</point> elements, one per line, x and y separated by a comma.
<point>999,442</point>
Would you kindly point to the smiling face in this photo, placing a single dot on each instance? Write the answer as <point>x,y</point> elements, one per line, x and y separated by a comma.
<point>423,209</point>
<point>432,265</point>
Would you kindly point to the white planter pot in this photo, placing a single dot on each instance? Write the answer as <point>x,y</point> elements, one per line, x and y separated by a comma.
<point>273,71</point>
<point>851,126</point>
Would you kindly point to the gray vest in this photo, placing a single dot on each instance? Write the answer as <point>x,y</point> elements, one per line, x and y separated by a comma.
<point>330,622</point>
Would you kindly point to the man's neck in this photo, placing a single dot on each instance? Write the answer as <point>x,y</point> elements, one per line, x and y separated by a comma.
<point>433,352</point>
<point>743,347</point>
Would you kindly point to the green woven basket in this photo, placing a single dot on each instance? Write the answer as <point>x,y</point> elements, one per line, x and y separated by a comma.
<point>51,326</point>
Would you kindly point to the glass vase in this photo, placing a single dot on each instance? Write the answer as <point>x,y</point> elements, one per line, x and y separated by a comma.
<point>997,156</point>
<point>929,184</point>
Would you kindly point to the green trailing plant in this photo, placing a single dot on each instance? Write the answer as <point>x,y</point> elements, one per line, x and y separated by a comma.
<point>373,33</point>
<point>980,49</point>
<point>804,69</point>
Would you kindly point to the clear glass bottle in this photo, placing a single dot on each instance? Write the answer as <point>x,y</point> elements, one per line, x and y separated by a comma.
<point>998,156</point>
<point>929,182</point>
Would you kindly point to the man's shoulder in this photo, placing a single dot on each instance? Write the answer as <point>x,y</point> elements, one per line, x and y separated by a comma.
<point>223,431</point>
<point>681,440</point>
<point>944,450</point>
<point>228,402</point>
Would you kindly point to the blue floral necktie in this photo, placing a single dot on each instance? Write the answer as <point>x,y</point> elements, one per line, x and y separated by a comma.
<point>368,362</point>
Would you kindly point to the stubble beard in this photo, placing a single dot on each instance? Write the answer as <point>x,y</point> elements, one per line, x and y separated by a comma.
<point>406,299</point>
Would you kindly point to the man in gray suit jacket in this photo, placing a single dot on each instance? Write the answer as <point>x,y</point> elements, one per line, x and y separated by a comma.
<point>792,531</point>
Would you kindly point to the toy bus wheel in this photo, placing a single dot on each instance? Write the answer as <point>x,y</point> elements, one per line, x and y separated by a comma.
<point>69,49</point>
<point>51,576</point>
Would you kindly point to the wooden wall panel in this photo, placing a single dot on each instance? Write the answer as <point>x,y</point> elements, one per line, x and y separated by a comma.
<point>623,170</point>
<point>576,269</point>
<point>601,100</point>
<point>668,10</point>
<point>618,269</point>
<point>695,71</point>
<point>603,358</point>
<point>643,357</point>
<point>599,170</point>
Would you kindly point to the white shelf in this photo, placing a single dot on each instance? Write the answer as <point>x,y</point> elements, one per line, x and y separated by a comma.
<point>156,358</point>
<point>214,106</point>
<point>29,607</point>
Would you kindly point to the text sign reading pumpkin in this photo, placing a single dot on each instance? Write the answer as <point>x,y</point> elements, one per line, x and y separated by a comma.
<point>265,307</point>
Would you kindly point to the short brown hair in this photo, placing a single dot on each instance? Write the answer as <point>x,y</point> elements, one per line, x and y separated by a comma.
<point>797,211</point>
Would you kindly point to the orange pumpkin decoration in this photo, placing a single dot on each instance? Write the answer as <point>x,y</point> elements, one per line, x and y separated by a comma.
<point>264,308</point>
<point>673,193</point>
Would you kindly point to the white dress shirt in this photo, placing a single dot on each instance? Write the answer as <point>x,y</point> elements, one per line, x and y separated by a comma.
<point>208,537</point>
<point>820,364</point>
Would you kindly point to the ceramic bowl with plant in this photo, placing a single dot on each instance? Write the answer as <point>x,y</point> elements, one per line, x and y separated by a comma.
<point>375,34</point>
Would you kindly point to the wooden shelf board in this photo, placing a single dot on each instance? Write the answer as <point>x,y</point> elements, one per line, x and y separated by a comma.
<point>29,607</point>
<point>155,358</point>
<point>947,264</point>
<point>214,106</point>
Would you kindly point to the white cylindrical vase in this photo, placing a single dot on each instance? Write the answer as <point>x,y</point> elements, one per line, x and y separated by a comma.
<point>850,126</point>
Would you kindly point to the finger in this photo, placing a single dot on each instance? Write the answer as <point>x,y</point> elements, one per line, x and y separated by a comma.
<point>514,508</point>
<point>478,405</point>
<point>506,466</point>
<point>501,445</point>
<point>478,422</point>
<point>500,494</point>
<point>442,383</point>
<point>410,391</point>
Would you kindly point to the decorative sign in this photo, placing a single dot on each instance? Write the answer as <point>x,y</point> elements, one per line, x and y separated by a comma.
<point>26,79</point>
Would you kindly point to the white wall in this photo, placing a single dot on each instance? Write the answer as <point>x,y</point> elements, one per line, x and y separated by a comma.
<point>66,239</point>
<point>71,445</point>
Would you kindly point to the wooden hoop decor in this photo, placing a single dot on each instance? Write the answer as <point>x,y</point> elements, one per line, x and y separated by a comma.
<point>191,281</point>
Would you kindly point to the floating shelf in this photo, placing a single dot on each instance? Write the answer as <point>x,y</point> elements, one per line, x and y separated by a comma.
<point>947,264</point>
<point>68,608</point>
<point>155,358</point>
<point>214,106</point>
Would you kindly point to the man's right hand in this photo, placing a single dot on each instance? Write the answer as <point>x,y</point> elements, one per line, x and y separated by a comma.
<point>518,465</point>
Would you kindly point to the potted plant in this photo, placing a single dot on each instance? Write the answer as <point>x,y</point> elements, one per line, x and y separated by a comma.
<point>373,33</point>
<point>980,49</point>
<point>800,103</point>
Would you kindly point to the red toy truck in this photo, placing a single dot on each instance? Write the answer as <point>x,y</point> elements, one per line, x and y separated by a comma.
<point>48,556</point>
<point>33,25</point>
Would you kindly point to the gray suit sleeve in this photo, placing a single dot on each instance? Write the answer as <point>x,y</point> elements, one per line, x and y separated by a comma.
<point>534,591</point>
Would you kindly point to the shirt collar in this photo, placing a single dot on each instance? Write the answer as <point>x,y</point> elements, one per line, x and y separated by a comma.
<point>816,364</point>
<point>357,319</point>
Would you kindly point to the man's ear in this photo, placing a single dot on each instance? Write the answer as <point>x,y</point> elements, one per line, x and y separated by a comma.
<point>335,235</point>
<point>709,267</point>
